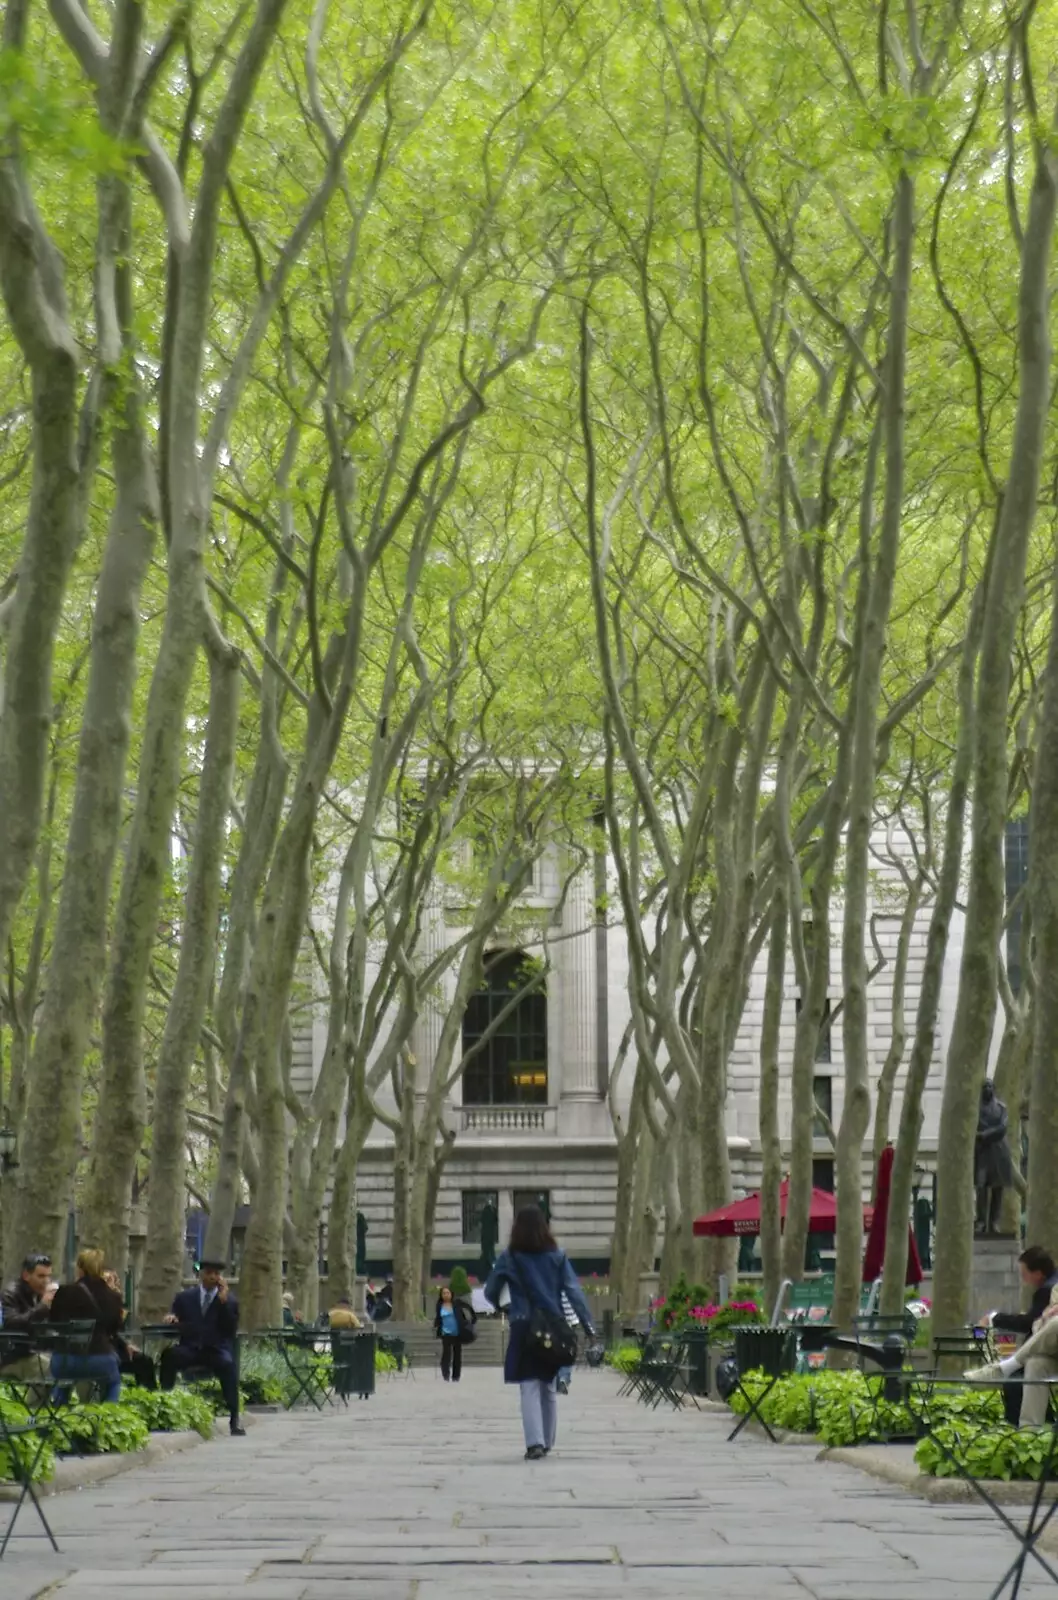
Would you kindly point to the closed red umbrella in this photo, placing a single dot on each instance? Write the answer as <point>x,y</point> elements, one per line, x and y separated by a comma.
<point>743,1216</point>
<point>874,1256</point>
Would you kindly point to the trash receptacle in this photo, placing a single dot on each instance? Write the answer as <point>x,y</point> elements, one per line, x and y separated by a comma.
<point>353,1353</point>
<point>770,1350</point>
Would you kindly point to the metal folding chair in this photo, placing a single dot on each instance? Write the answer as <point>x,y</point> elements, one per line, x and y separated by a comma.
<point>24,1463</point>
<point>772,1351</point>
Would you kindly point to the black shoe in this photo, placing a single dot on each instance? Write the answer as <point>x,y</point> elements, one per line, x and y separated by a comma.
<point>535,1452</point>
<point>562,1388</point>
<point>237,1432</point>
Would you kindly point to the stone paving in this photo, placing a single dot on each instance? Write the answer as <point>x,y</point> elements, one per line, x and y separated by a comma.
<point>422,1493</point>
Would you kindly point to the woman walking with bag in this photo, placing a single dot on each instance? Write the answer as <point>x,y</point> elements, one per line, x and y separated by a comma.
<point>454,1326</point>
<point>536,1273</point>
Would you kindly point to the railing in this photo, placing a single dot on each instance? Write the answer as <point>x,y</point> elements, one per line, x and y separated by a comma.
<point>508,1119</point>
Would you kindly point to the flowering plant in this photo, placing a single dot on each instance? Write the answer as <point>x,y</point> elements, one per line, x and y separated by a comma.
<point>691,1306</point>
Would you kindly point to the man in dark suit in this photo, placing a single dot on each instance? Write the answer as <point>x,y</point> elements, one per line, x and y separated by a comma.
<point>208,1318</point>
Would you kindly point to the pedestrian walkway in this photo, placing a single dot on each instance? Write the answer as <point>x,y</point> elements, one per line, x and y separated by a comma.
<point>422,1493</point>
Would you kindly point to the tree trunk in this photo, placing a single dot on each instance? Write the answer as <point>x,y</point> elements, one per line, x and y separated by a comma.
<point>856,1109</point>
<point>950,876</point>
<point>642,1239</point>
<point>121,1111</point>
<point>894,1056</point>
<point>263,814</point>
<point>437,1169</point>
<point>403,1168</point>
<point>1043,887</point>
<point>341,1233</point>
<point>628,1156</point>
<point>976,1004</point>
<point>31,283</point>
<point>187,1009</point>
<point>51,1144</point>
<point>770,1139</point>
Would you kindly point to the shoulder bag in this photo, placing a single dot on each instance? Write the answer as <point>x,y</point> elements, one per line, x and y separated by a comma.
<point>550,1341</point>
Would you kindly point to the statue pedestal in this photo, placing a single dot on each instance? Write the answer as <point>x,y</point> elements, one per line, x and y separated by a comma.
<point>360,1297</point>
<point>996,1283</point>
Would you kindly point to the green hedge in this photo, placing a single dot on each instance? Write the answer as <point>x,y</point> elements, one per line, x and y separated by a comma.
<point>843,1408</point>
<point>625,1358</point>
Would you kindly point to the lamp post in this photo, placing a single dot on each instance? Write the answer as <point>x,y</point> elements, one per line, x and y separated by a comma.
<point>8,1146</point>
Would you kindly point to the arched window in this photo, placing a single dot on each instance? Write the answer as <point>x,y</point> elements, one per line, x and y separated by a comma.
<point>510,1069</point>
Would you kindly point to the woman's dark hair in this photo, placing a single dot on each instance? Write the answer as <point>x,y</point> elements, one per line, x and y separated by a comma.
<point>1037,1259</point>
<point>531,1235</point>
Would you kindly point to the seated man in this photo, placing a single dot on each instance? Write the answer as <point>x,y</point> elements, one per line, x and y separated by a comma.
<point>26,1305</point>
<point>208,1317</point>
<point>342,1315</point>
<point>1038,1356</point>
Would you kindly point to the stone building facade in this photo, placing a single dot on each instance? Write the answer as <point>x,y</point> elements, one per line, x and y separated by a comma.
<point>550,1133</point>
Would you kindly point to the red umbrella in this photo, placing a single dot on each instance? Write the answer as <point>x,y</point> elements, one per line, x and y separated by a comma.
<point>874,1258</point>
<point>744,1215</point>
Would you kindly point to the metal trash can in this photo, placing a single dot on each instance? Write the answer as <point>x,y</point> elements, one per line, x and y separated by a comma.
<point>770,1350</point>
<point>354,1362</point>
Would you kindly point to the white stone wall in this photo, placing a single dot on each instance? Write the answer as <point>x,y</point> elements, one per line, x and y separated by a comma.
<point>569,1150</point>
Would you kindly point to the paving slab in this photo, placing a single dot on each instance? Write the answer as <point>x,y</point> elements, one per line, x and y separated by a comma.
<point>422,1494</point>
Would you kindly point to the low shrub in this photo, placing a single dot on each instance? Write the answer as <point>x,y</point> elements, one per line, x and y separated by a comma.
<point>104,1429</point>
<point>24,1449</point>
<point>993,1451</point>
<point>847,1407</point>
<point>625,1358</point>
<point>172,1410</point>
<point>384,1362</point>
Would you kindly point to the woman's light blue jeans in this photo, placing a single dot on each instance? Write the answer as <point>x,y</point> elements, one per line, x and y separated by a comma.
<point>101,1369</point>
<point>539,1412</point>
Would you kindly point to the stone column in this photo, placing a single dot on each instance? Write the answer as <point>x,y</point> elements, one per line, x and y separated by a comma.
<point>579,1065</point>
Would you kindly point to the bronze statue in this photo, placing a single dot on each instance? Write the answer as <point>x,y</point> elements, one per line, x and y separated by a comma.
<point>993,1165</point>
<point>490,1233</point>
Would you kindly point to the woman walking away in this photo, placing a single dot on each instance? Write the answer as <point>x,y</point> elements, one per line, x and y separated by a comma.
<point>90,1299</point>
<point>448,1325</point>
<point>537,1274</point>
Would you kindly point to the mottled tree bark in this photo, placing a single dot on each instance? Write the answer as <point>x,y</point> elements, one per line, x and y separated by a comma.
<point>894,1056</point>
<point>121,1110</point>
<point>856,1108</point>
<point>52,1136</point>
<point>1043,888</point>
<point>948,881</point>
<point>770,1136</point>
<point>31,282</point>
<point>166,1194</point>
<point>976,1005</point>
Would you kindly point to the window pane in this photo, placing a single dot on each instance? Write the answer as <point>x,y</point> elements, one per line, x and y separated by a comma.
<point>511,1067</point>
<point>474,1203</point>
<point>533,1197</point>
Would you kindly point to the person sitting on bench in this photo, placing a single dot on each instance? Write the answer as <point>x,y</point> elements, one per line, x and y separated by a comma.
<point>1038,1273</point>
<point>208,1318</point>
<point>25,1306</point>
<point>89,1299</point>
<point>1037,1358</point>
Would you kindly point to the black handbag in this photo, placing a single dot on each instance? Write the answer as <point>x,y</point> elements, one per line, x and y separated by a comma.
<point>550,1342</point>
